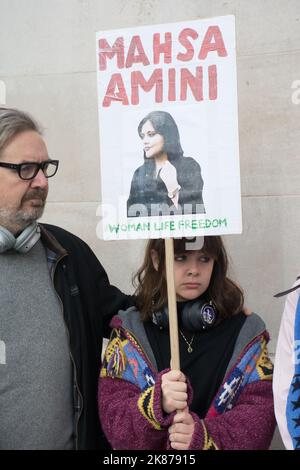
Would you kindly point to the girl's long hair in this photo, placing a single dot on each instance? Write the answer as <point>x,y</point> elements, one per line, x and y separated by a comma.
<point>151,285</point>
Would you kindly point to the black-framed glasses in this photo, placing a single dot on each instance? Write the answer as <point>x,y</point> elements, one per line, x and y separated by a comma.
<point>28,170</point>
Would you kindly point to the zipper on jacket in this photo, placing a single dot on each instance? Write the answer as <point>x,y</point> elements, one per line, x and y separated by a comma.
<point>78,409</point>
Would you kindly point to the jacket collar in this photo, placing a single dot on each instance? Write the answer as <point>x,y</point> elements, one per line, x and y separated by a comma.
<point>51,243</point>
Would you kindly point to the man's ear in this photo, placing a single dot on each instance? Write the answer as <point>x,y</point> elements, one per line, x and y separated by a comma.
<point>155,259</point>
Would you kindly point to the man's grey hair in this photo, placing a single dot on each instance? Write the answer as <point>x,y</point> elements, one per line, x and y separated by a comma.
<point>13,122</point>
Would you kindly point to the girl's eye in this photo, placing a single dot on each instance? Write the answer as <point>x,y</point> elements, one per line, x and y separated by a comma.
<point>180,257</point>
<point>204,259</point>
<point>151,134</point>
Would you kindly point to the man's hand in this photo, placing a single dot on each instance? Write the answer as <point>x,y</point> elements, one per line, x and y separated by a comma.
<point>174,391</point>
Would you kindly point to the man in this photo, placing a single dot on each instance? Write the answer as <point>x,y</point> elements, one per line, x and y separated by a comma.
<point>55,302</point>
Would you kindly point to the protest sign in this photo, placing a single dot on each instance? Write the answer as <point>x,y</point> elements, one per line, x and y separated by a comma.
<point>168,90</point>
<point>168,128</point>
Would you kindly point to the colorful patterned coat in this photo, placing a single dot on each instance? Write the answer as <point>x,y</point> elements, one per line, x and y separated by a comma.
<point>240,417</point>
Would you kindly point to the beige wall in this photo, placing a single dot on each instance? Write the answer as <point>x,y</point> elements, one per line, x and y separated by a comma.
<point>47,66</point>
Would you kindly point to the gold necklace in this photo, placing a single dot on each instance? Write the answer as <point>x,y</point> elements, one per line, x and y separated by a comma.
<point>189,343</point>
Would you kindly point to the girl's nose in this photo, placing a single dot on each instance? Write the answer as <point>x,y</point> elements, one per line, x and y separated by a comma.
<point>193,268</point>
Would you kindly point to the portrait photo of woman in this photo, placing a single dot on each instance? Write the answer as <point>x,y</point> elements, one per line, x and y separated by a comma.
<point>167,182</point>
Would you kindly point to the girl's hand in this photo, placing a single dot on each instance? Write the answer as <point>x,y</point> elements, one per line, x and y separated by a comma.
<point>174,391</point>
<point>247,311</point>
<point>168,174</point>
<point>182,429</point>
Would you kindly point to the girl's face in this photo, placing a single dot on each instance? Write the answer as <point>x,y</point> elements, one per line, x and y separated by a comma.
<point>153,142</point>
<point>192,273</point>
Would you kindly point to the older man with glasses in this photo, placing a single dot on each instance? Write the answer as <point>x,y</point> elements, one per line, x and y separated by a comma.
<point>55,305</point>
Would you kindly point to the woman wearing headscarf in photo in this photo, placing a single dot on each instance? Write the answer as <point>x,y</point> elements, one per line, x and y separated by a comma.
<point>167,182</point>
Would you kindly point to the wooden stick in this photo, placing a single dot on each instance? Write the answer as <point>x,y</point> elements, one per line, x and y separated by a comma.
<point>172,307</point>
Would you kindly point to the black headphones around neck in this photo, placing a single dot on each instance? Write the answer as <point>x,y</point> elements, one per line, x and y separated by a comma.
<point>196,315</point>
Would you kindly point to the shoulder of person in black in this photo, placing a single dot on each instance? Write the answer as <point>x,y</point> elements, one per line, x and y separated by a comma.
<point>206,365</point>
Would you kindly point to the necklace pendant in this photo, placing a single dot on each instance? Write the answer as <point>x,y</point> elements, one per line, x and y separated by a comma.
<point>189,344</point>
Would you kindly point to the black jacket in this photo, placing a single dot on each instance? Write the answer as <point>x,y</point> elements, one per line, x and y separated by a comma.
<point>151,192</point>
<point>89,302</point>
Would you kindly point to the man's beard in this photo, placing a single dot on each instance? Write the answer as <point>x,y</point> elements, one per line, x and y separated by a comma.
<point>21,218</point>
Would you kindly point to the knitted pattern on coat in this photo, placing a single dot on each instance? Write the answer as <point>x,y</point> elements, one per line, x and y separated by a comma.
<point>240,417</point>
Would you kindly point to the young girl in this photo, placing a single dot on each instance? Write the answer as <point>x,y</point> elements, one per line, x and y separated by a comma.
<point>222,397</point>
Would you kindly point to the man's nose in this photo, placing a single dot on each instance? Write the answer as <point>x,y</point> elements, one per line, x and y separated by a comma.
<point>40,180</point>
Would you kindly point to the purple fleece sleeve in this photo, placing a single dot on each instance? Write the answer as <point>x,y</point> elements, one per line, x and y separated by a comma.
<point>131,418</point>
<point>249,425</point>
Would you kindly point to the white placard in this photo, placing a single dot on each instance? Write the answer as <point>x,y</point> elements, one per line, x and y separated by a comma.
<point>180,78</point>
